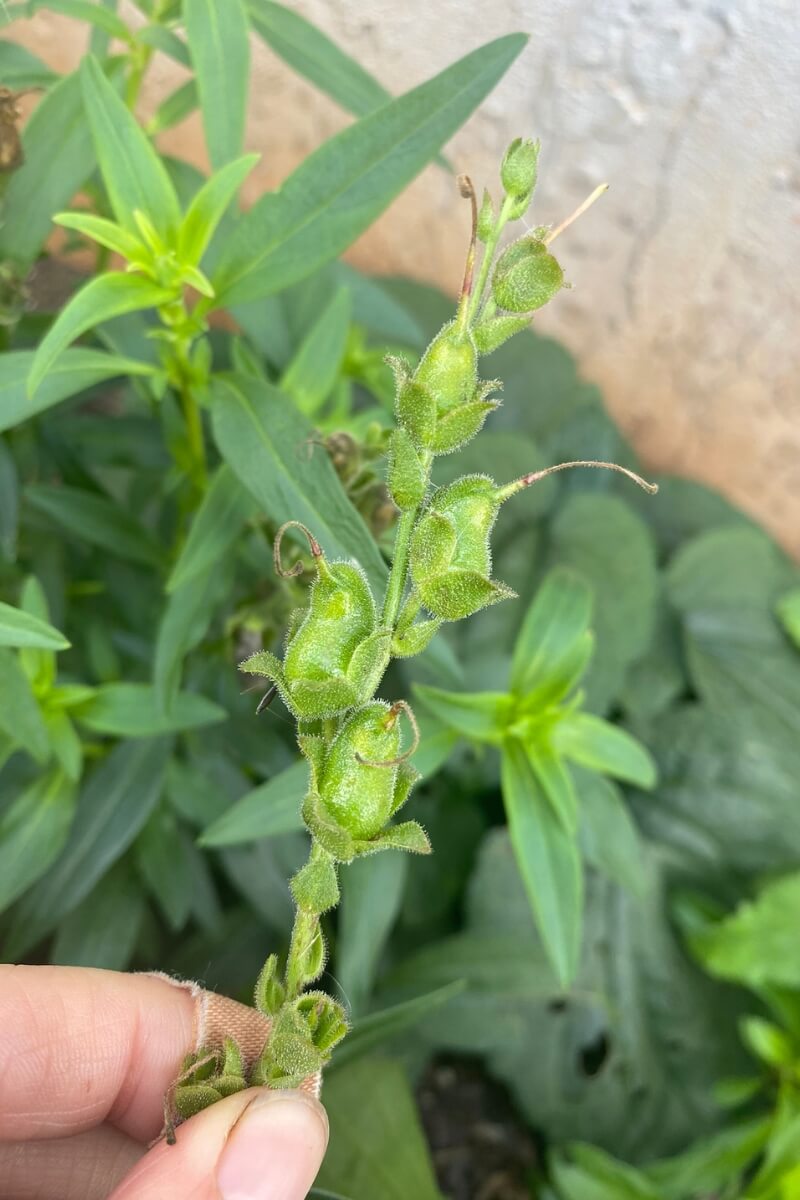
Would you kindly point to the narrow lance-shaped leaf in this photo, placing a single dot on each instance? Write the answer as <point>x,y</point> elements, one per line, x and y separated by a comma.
<point>131,710</point>
<point>386,1024</point>
<point>312,373</point>
<point>18,628</point>
<point>20,716</point>
<point>174,109</point>
<point>167,41</point>
<point>134,176</point>
<point>269,809</point>
<point>217,525</point>
<point>94,14</point>
<point>371,895</point>
<point>21,69</point>
<point>32,832</point>
<point>220,48</point>
<point>9,503</point>
<point>548,859</point>
<point>556,784</point>
<point>209,206</point>
<point>595,743</point>
<point>341,188</point>
<point>552,648</point>
<point>96,519</point>
<point>105,297</point>
<point>106,233</point>
<point>478,716</point>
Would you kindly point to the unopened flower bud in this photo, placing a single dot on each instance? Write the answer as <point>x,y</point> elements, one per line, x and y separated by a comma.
<point>526,276</point>
<point>519,168</point>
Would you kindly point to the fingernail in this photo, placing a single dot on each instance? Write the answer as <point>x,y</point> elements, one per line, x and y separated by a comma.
<point>275,1149</point>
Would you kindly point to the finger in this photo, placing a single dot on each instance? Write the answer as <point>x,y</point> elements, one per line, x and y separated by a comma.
<point>85,1167</point>
<point>82,1046</point>
<point>257,1145</point>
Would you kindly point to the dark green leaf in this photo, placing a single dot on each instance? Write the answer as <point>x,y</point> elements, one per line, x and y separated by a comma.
<point>95,519</point>
<point>269,446</point>
<point>9,502</point>
<point>548,860</point>
<point>106,296</point>
<point>608,835</point>
<point>76,370</point>
<point>270,809</point>
<point>220,49</point>
<point>184,622</point>
<point>18,628</point>
<point>478,716</point>
<point>552,647</point>
<point>134,176</point>
<point>174,109</point>
<point>387,1024</point>
<point>102,931</point>
<point>163,857</point>
<point>20,716</point>
<point>341,188</point>
<point>114,804</point>
<point>217,525</point>
<point>131,710</point>
<point>33,830</point>
<point>314,369</point>
<point>21,69</point>
<point>594,743</point>
<point>371,893</point>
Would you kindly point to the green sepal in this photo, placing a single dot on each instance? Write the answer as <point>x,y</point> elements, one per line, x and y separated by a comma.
<point>432,547</point>
<point>448,368</point>
<point>313,699</point>
<point>232,1063</point>
<point>526,276</point>
<point>264,663</point>
<point>192,1098</point>
<point>328,832</point>
<point>409,835</point>
<point>315,887</point>
<point>457,427</point>
<point>229,1085</point>
<point>311,962</point>
<point>325,1019</point>
<point>270,993</point>
<point>291,1047</point>
<point>458,594</point>
<point>486,218</point>
<point>415,408</point>
<point>414,639</point>
<point>370,660</point>
<point>196,1068</point>
<point>407,776</point>
<point>407,477</point>
<point>492,333</point>
<point>312,747</point>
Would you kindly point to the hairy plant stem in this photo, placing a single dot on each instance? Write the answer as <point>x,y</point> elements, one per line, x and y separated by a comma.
<point>305,930</point>
<point>488,257</point>
<point>402,545</point>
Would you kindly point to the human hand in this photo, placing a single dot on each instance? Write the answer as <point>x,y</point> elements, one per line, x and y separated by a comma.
<point>85,1060</point>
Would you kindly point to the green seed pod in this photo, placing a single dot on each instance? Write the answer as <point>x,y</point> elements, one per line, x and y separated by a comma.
<point>448,369</point>
<point>450,556</point>
<point>526,276</point>
<point>407,476</point>
<point>519,169</point>
<point>335,654</point>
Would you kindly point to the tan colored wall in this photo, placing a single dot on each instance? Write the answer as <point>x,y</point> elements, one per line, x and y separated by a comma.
<point>685,308</point>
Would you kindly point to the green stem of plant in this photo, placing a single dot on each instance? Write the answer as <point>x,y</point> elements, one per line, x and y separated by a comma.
<point>402,546</point>
<point>304,930</point>
<point>140,60</point>
<point>488,257</point>
<point>195,437</point>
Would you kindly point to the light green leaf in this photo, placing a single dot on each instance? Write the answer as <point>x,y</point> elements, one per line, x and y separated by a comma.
<point>386,1024</point>
<point>33,830</point>
<point>788,611</point>
<point>376,1149</point>
<point>102,931</point>
<point>59,157</point>
<point>76,370</point>
<point>105,232</point>
<point>65,744</point>
<point>594,1175</point>
<point>163,858</point>
<point>712,1163</point>
<point>160,37</point>
<point>96,519</point>
<point>209,206</point>
<point>92,13</point>
<point>594,743</point>
<point>9,498</point>
<point>269,446</point>
<point>21,69</point>
<point>174,109</point>
<point>609,838</point>
<point>106,296</point>
<point>548,860</point>
<point>371,894</point>
<point>114,804</point>
<point>556,784</point>
<point>757,944</point>
<point>314,369</point>
<point>478,716</point>
<point>436,744</point>
<point>343,186</point>
<point>553,646</point>
<point>220,49</point>
<point>217,525</point>
<point>18,628</point>
<point>20,716</point>
<point>270,809</point>
<point>134,176</point>
<point>314,56</point>
<point>131,710</point>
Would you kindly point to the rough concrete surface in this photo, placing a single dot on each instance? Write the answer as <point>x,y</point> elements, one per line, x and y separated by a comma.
<point>685,307</point>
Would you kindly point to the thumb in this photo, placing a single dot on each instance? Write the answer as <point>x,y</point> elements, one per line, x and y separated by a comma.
<point>256,1145</point>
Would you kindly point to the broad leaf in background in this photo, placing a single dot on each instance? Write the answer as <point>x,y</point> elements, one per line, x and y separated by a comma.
<point>163,856</point>
<point>377,1147</point>
<point>131,710</point>
<point>371,895</point>
<point>609,838</point>
<point>100,16</point>
<point>270,447</point>
<point>340,189</point>
<point>21,69</point>
<point>388,1024</point>
<point>19,628</point>
<point>97,520</point>
<point>220,49</point>
<point>217,525</point>
<point>788,610</point>
<point>9,503</point>
<point>102,931</point>
<point>267,810</point>
<point>115,802</point>
<point>32,833</point>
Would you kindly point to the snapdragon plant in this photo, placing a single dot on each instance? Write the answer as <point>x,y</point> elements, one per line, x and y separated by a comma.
<point>357,746</point>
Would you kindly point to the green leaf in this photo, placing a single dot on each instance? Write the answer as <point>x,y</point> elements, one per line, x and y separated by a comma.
<point>115,801</point>
<point>217,526</point>
<point>376,1149</point>
<point>314,369</point>
<point>76,370</point>
<point>437,740</point>
<point>556,784</point>
<point>712,1164</point>
<point>209,206</point>
<point>176,108</point>
<point>104,297</point>
<point>105,232</point>
<point>131,710</point>
<point>163,859</point>
<point>103,930</point>
<point>18,628</point>
<point>9,500</point>
<point>92,13</point>
<point>601,538</point>
<point>478,716</point>
<point>387,1024</point>
<point>160,37</point>
<point>184,622</point>
<point>313,55</point>
<point>20,716</point>
<point>269,446</point>
<point>96,519</point>
<point>59,157</point>
<point>220,49</point>
<point>779,1175</point>
<point>33,830</point>
<point>757,944</point>
<point>609,838</point>
<point>594,743</point>
<point>134,176</point>
<point>552,646</point>
<point>548,860</point>
<point>788,611</point>
<point>21,69</point>
<point>595,1175</point>
<point>371,894</point>
<point>343,186</point>
<point>270,809</point>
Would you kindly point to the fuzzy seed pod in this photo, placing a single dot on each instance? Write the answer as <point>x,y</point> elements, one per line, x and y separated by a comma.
<point>526,276</point>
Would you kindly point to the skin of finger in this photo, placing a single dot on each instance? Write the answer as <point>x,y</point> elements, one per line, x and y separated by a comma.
<point>193,1169</point>
<point>84,1167</point>
<point>83,1046</point>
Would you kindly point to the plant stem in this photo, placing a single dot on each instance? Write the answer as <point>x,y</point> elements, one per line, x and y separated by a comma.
<point>196,440</point>
<point>488,256</point>
<point>304,931</point>
<point>402,546</point>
